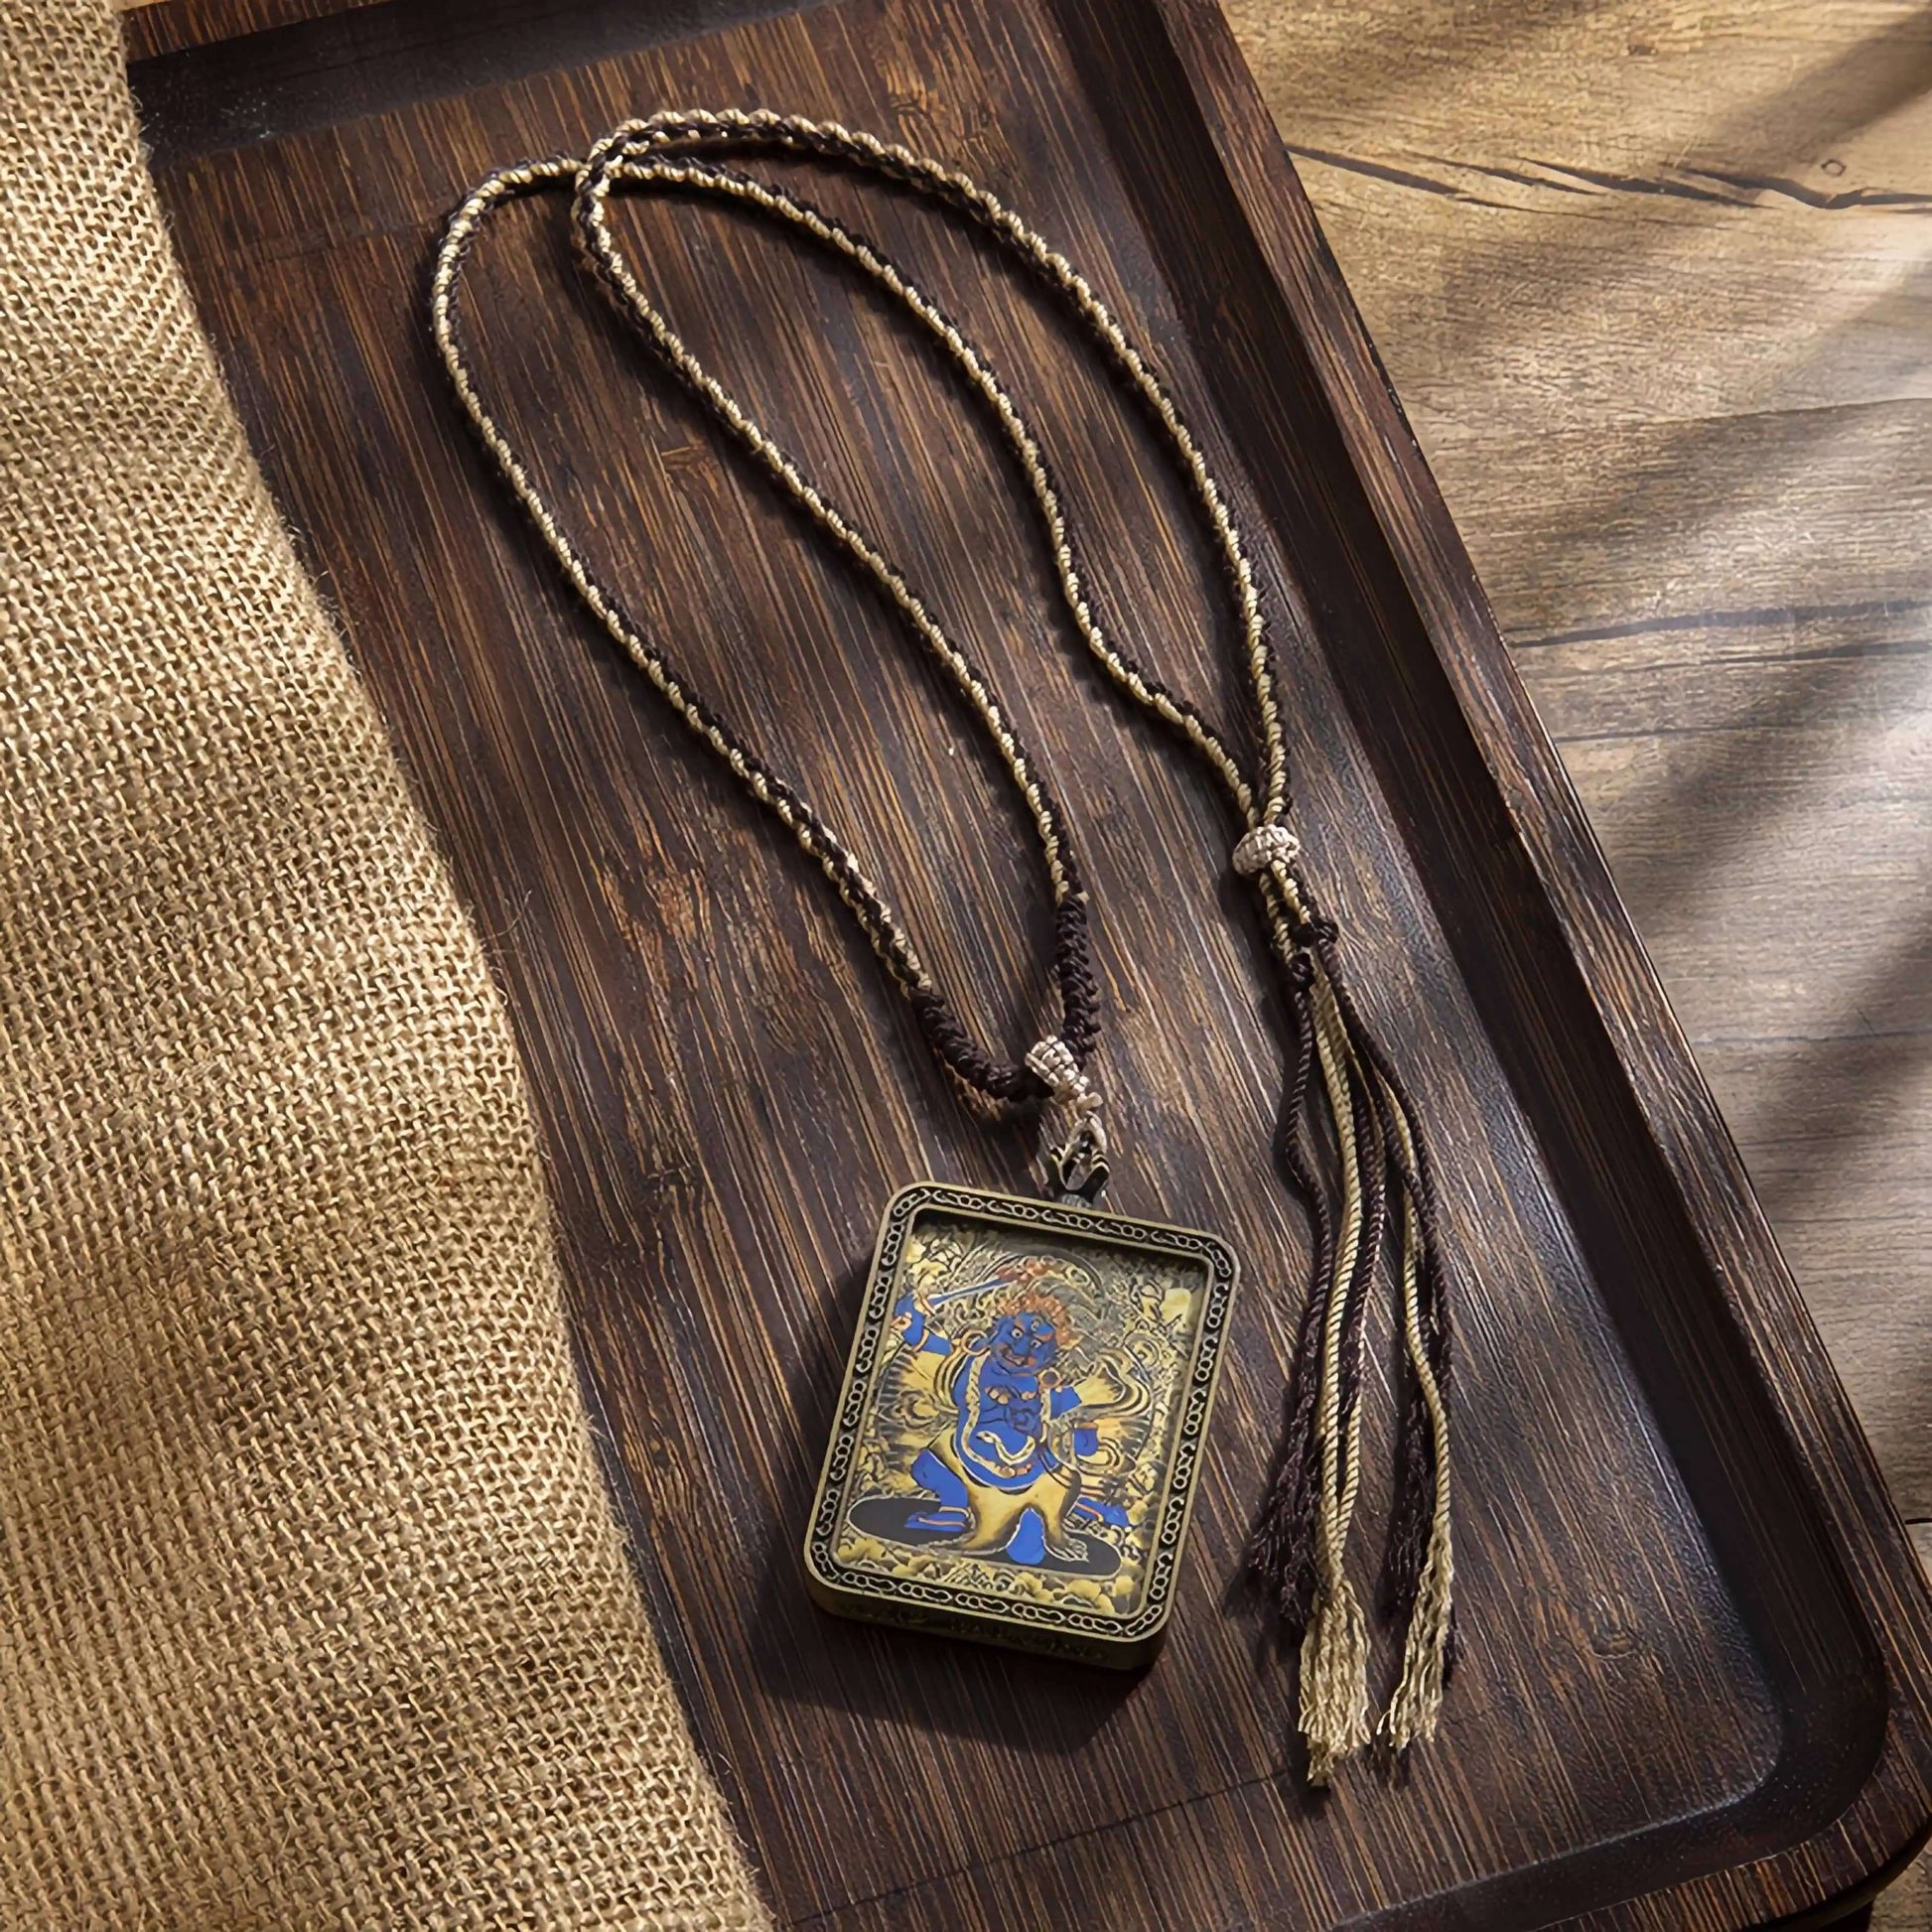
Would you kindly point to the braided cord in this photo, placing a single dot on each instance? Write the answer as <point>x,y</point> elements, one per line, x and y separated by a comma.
<point>633,152</point>
<point>644,155</point>
<point>817,840</point>
<point>1014,1083</point>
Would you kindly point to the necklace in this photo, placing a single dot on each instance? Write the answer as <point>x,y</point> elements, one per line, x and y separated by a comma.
<point>1057,1361</point>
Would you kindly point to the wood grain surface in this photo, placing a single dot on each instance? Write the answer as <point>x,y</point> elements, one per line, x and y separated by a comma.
<point>168,26</point>
<point>1694,1689</point>
<point>1655,287</point>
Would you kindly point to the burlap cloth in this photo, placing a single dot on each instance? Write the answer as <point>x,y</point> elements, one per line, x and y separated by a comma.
<point>312,1613</point>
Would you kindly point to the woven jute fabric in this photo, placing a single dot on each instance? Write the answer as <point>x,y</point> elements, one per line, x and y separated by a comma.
<point>311,1611</point>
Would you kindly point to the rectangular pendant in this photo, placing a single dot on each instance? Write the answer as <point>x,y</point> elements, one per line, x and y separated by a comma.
<point>1023,1413</point>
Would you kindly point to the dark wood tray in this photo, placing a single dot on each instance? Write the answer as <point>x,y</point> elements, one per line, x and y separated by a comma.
<point>1695,1684</point>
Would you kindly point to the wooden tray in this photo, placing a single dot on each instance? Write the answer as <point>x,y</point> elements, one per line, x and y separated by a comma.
<point>1695,1684</point>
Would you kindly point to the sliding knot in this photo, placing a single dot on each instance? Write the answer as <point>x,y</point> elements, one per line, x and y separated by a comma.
<point>1299,970</point>
<point>1052,1061</point>
<point>1319,932</point>
<point>1265,846</point>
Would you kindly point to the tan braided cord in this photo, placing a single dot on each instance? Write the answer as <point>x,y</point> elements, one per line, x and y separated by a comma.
<point>312,1612</point>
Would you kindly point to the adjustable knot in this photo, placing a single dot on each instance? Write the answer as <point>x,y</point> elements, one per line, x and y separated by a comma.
<point>1052,1062</point>
<point>1301,971</point>
<point>1265,846</point>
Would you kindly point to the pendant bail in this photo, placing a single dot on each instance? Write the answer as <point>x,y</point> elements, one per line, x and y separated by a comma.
<point>1078,1165</point>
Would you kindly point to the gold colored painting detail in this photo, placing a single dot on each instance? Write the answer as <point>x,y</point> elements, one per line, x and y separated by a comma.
<point>1016,1437</point>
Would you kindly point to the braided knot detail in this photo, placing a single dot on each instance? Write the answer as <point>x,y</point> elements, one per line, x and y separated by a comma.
<point>1053,1060</point>
<point>1084,1152</point>
<point>1264,846</point>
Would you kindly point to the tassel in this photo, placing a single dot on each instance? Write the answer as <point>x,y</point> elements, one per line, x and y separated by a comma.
<point>1334,1671</point>
<point>1282,1550</point>
<point>1420,1565</point>
<point>1421,1588</point>
<point>1298,1549</point>
<point>1334,1680</point>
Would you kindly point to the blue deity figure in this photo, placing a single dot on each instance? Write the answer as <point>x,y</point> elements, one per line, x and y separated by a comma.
<point>1007,1470</point>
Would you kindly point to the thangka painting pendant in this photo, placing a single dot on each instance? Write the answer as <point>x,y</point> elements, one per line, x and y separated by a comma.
<point>1016,1442</point>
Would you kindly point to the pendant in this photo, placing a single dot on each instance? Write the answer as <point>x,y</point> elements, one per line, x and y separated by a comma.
<point>1020,1427</point>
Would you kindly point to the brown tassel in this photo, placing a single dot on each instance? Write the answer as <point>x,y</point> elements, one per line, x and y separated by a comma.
<point>1419,1571</point>
<point>1299,1544</point>
<point>1281,1552</point>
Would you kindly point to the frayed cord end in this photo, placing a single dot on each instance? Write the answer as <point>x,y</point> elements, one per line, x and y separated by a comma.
<point>1418,1700</point>
<point>1335,1681</point>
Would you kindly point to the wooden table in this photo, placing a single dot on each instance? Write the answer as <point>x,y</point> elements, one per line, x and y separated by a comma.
<point>1655,286</point>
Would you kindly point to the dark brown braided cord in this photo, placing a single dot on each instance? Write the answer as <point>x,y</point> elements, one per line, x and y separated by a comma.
<point>1300,1540</point>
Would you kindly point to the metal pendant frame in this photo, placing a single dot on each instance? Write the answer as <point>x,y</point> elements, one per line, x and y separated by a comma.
<point>1075,1388</point>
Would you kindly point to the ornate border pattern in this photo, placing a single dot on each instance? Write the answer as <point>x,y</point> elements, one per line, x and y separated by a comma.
<point>965,1611</point>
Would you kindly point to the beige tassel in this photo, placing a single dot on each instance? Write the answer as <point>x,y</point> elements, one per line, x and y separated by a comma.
<point>1418,1700</point>
<point>1334,1680</point>
<point>1334,1650</point>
